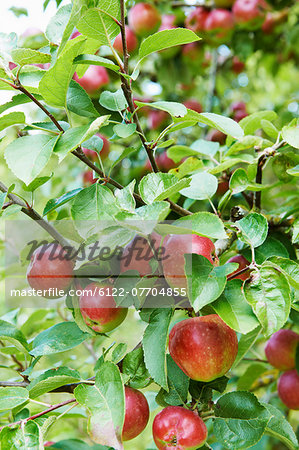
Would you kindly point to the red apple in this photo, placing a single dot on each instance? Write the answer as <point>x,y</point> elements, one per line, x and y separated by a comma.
<point>11,65</point>
<point>242,264</point>
<point>239,111</point>
<point>164,162</point>
<point>176,246</point>
<point>131,39</point>
<point>280,349</point>
<point>93,80</point>
<point>138,254</point>
<point>167,22</point>
<point>136,415</point>
<point>99,309</point>
<point>144,19</point>
<point>194,105</point>
<point>50,268</point>
<point>204,347</point>
<point>157,119</point>
<point>176,427</point>
<point>88,178</point>
<point>216,136</point>
<point>223,187</point>
<point>196,20</point>
<point>288,389</point>
<point>273,19</point>
<point>75,34</point>
<point>220,22</point>
<point>237,65</point>
<point>250,13</point>
<point>49,443</point>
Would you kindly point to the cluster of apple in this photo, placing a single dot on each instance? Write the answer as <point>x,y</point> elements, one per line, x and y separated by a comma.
<point>281,353</point>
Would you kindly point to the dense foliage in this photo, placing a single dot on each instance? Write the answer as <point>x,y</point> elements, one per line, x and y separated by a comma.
<point>172,125</point>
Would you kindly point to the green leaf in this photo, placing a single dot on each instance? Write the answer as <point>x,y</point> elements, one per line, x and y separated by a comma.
<point>294,171</point>
<point>79,102</point>
<point>55,83</point>
<point>204,224</point>
<point>166,39</point>
<point>279,428</point>
<point>52,379</point>
<point>2,199</point>
<point>205,282</point>
<point>246,143</point>
<point>127,151</point>
<point>54,203</point>
<point>289,268</point>
<point>232,307</point>
<point>239,182</point>
<point>253,122</point>
<point>178,152</point>
<point>124,130</point>
<point>16,100</point>
<point>271,247</point>
<point>178,383</point>
<point>159,186</point>
<point>245,343</point>
<point>27,156</point>
<point>155,344</point>
<point>57,24</point>
<point>11,119</point>
<point>114,101</point>
<point>98,23</point>
<point>203,185</point>
<point>73,137</point>
<point>252,373</point>
<point>10,333</point>
<point>269,295</point>
<point>227,164</point>
<point>269,129</point>
<point>239,405</point>
<point>291,135</point>
<point>173,108</point>
<point>10,397</point>
<point>35,184</point>
<point>18,12</point>
<point>222,123</point>
<point>96,60</point>
<point>125,196</point>
<point>145,218</point>
<point>205,148</point>
<point>23,56</point>
<point>106,403</point>
<point>254,229</point>
<point>59,338</point>
<point>28,436</point>
<point>8,42</point>
<point>134,369</point>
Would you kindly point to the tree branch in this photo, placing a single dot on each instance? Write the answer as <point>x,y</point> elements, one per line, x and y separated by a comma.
<point>30,212</point>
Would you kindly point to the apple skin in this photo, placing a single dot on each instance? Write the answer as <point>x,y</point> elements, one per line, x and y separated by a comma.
<point>156,119</point>
<point>49,443</point>
<point>176,427</point>
<point>174,262</point>
<point>239,111</point>
<point>100,311</point>
<point>93,80</point>
<point>88,178</point>
<point>164,162</point>
<point>131,39</point>
<point>139,253</point>
<point>242,264</point>
<point>136,415</point>
<point>196,20</point>
<point>237,65</point>
<point>220,22</point>
<point>75,34</point>
<point>204,347</point>
<point>288,389</point>
<point>47,270</point>
<point>223,187</point>
<point>280,349</point>
<point>249,13</point>
<point>194,105</point>
<point>91,154</point>
<point>144,19</point>
<point>216,136</point>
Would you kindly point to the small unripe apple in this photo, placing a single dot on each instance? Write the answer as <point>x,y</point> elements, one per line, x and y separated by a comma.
<point>178,427</point>
<point>176,246</point>
<point>50,268</point>
<point>136,415</point>
<point>249,13</point>
<point>237,65</point>
<point>205,348</point>
<point>131,39</point>
<point>194,105</point>
<point>216,136</point>
<point>196,20</point>
<point>242,264</point>
<point>280,349</point>
<point>93,80</point>
<point>220,22</point>
<point>144,19</point>
<point>137,254</point>
<point>288,389</point>
<point>98,308</point>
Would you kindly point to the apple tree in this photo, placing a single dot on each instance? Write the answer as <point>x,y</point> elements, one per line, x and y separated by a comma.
<point>149,232</point>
